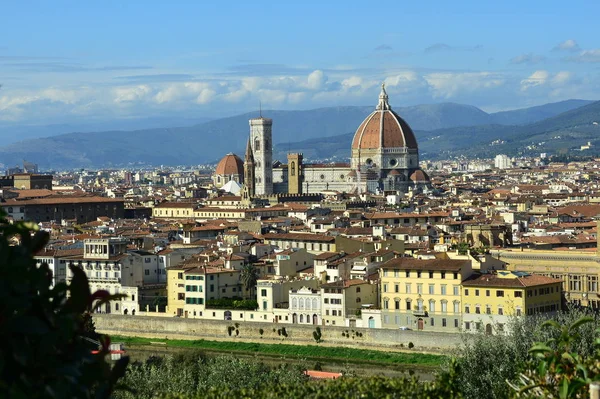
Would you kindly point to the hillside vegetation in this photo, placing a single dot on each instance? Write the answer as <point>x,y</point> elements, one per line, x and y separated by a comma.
<point>319,133</point>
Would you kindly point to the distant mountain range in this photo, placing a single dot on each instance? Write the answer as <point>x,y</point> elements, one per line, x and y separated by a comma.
<point>567,131</point>
<point>441,129</point>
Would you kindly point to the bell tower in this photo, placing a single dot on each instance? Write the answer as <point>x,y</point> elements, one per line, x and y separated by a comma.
<point>262,150</point>
<point>295,173</point>
<point>249,166</point>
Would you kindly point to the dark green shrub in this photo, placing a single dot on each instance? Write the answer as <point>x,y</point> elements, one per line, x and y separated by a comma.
<point>42,350</point>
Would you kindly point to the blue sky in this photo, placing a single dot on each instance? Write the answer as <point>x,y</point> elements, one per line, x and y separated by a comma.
<point>65,61</point>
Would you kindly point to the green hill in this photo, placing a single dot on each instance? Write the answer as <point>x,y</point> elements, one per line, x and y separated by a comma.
<point>319,133</point>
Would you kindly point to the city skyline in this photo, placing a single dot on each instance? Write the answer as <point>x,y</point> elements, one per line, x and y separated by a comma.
<point>67,62</point>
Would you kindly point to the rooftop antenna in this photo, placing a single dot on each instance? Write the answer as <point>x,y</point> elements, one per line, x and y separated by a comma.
<point>260,108</point>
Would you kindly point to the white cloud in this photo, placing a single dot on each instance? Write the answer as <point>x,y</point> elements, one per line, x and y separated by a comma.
<point>561,78</point>
<point>450,84</point>
<point>131,94</point>
<point>591,56</point>
<point>528,58</point>
<point>535,79</point>
<point>205,96</point>
<point>568,45</point>
<point>543,78</point>
<point>316,80</point>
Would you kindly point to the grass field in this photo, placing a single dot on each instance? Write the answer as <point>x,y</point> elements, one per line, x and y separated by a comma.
<point>298,351</point>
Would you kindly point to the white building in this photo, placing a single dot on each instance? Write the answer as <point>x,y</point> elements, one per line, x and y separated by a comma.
<point>502,162</point>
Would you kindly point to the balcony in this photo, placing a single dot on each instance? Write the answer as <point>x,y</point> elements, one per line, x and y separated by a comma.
<point>420,312</point>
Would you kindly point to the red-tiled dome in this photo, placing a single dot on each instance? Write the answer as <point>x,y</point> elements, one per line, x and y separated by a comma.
<point>383,129</point>
<point>419,176</point>
<point>231,164</point>
<point>394,172</point>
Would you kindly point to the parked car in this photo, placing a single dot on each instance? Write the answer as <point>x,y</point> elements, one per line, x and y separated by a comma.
<point>404,328</point>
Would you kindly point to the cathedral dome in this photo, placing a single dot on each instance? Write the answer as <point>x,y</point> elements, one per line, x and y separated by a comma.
<point>383,128</point>
<point>231,164</point>
<point>419,176</point>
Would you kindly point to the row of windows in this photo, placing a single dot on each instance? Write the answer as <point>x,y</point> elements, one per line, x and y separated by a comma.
<point>478,326</point>
<point>488,310</point>
<point>431,289</point>
<point>211,277</point>
<point>541,291</point>
<point>419,274</point>
<point>335,301</point>
<point>499,293</point>
<point>542,309</point>
<point>420,305</point>
<point>193,288</point>
<point>397,321</point>
<point>194,301</point>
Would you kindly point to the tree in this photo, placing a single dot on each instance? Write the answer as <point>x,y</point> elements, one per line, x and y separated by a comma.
<point>463,248</point>
<point>43,352</point>
<point>249,276</point>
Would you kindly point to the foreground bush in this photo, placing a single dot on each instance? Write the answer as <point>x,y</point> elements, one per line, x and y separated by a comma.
<point>42,350</point>
<point>366,387</point>
<point>192,373</point>
<point>486,363</point>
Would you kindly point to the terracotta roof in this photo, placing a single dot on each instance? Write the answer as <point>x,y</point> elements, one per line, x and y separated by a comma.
<point>383,128</point>
<point>35,193</point>
<point>230,164</point>
<point>62,200</point>
<point>520,280</point>
<point>322,374</point>
<point>299,237</point>
<point>419,175</point>
<point>176,205</point>
<point>344,283</point>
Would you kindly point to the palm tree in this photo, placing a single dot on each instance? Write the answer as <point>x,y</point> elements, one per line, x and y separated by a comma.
<point>249,276</point>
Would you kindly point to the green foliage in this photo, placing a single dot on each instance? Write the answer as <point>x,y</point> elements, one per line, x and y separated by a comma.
<point>345,387</point>
<point>249,276</point>
<point>232,303</point>
<point>317,335</point>
<point>501,358</point>
<point>463,248</point>
<point>43,352</point>
<point>300,351</point>
<point>411,345</point>
<point>161,302</point>
<point>557,371</point>
<point>191,374</point>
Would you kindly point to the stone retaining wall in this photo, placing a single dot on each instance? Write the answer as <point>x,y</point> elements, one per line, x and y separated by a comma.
<point>180,328</point>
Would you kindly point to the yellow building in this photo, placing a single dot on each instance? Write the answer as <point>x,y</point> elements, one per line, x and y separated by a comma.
<point>579,270</point>
<point>176,290</point>
<point>422,294</point>
<point>490,299</point>
<point>189,287</point>
<point>174,210</point>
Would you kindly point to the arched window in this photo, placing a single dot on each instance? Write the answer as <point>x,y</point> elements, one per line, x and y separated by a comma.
<point>432,306</point>
<point>301,305</point>
<point>294,303</point>
<point>256,145</point>
<point>357,300</point>
<point>292,168</point>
